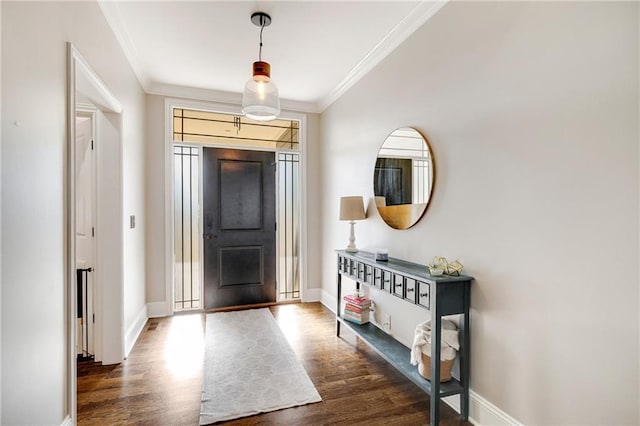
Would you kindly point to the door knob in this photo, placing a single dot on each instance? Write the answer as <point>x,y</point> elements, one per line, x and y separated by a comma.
<point>208,236</point>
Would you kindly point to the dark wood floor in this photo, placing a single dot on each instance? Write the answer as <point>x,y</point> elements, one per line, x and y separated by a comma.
<point>160,382</point>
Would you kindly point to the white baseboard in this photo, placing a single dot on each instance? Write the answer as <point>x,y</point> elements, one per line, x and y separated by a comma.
<point>134,330</point>
<point>328,300</point>
<point>157,310</point>
<point>67,421</point>
<point>312,295</point>
<point>481,411</point>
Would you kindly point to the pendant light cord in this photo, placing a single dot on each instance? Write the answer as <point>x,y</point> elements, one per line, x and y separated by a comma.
<point>261,29</point>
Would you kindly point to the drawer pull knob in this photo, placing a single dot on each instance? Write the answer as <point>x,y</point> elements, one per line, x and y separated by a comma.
<point>386,281</point>
<point>424,294</point>
<point>398,285</point>
<point>409,290</point>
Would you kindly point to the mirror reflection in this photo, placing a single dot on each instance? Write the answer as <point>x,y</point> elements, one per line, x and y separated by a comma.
<point>403,178</point>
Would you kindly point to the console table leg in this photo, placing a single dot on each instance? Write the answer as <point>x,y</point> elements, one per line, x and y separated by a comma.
<point>465,361</point>
<point>436,332</point>
<point>464,405</point>
<point>338,297</point>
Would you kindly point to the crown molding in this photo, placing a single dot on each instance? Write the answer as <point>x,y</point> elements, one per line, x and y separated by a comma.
<point>111,12</point>
<point>420,14</point>
<point>195,93</point>
<point>233,98</point>
<point>415,19</point>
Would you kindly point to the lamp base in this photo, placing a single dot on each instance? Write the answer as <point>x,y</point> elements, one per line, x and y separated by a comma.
<point>351,248</point>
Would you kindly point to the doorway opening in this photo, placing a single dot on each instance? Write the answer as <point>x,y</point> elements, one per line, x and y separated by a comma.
<point>193,132</point>
<point>85,209</point>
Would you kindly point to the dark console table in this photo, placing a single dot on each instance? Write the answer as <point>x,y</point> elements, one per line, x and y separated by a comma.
<point>441,296</point>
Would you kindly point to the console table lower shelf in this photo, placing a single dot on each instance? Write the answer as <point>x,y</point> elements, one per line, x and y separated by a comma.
<point>398,355</point>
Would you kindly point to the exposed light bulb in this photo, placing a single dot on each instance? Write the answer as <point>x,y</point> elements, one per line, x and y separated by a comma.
<point>260,100</point>
<point>261,90</point>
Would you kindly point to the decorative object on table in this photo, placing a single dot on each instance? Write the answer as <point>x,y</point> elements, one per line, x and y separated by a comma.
<point>403,178</point>
<point>421,349</point>
<point>352,209</point>
<point>356,308</point>
<point>439,266</point>
<point>454,268</point>
<point>381,255</point>
<point>260,100</point>
<point>435,270</point>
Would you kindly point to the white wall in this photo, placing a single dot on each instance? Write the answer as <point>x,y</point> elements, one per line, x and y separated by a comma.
<point>34,37</point>
<point>134,203</point>
<point>314,205</point>
<point>109,244</point>
<point>0,219</point>
<point>532,113</point>
<point>156,237</point>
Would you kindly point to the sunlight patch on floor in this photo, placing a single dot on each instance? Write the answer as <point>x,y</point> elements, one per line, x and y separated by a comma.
<point>184,349</point>
<point>289,321</point>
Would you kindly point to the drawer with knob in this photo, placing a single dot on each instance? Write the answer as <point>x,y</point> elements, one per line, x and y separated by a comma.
<point>368,274</point>
<point>352,269</point>
<point>377,278</point>
<point>410,290</point>
<point>398,284</point>
<point>386,281</point>
<point>423,293</point>
<point>360,271</point>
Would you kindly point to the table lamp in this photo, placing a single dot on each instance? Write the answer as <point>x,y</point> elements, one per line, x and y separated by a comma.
<point>351,209</point>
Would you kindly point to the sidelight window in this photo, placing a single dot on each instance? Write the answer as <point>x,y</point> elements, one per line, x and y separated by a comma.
<point>289,226</point>
<point>186,238</point>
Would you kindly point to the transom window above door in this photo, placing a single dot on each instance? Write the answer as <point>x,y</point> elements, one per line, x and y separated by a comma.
<point>219,128</point>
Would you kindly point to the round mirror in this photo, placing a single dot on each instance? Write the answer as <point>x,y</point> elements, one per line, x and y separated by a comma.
<point>403,178</point>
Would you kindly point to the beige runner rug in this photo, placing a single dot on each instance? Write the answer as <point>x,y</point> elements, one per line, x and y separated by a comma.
<point>250,368</point>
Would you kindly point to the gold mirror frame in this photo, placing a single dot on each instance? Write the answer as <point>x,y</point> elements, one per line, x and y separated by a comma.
<point>403,178</point>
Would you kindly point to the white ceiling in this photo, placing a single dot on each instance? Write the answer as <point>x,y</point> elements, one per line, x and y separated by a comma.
<point>317,49</point>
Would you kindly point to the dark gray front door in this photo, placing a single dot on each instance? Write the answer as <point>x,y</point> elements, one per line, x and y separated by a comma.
<point>239,227</point>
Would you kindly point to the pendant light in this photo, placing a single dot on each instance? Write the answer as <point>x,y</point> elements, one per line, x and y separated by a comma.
<point>260,100</point>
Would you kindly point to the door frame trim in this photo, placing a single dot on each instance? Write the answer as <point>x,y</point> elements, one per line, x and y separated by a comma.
<point>169,105</point>
<point>81,78</point>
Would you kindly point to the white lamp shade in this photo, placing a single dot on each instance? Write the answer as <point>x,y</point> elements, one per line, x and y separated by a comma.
<point>352,208</point>
<point>260,100</point>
